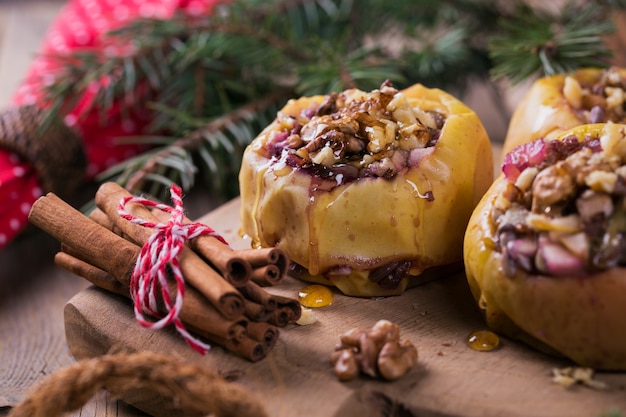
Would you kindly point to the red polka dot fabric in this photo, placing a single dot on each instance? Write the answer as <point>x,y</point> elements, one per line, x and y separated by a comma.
<point>80,25</point>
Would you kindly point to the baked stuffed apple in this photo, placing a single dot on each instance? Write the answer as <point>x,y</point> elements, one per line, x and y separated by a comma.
<point>366,191</point>
<point>560,102</point>
<point>545,249</point>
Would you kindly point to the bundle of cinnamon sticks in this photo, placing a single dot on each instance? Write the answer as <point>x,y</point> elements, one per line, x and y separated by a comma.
<point>225,299</point>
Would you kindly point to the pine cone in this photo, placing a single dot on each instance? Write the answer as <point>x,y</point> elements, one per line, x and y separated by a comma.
<point>56,152</point>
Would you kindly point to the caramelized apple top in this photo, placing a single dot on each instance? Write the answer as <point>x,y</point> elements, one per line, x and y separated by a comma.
<point>354,134</point>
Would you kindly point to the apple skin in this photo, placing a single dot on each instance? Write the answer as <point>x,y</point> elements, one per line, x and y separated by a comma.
<point>371,222</point>
<point>579,317</point>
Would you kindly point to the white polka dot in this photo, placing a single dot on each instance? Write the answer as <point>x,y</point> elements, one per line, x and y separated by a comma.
<point>18,171</point>
<point>56,38</point>
<point>121,12</point>
<point>100,24</point>
<point>25,208</point>
<point>70,120</point>
<point>82,37</point>
<point>93,8</point>
<point>14,224</point>
<point>48,79</point>
<point>3,239</point>
<point>29,99</point>
<point>146,10</point>
<point>58,44</point>
<point>76,24</point>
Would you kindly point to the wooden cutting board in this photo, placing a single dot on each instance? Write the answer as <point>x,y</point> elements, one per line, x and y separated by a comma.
<point>295,379</point>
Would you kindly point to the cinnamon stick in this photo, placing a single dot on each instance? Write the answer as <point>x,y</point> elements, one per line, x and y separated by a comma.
<point>92,244</point>
<point>98,246</point>
<point>93,274</point>
<point>256,312</point>
<point>280,316</point>
<point>234,268</point>
<point>281,310</point>
<point>291,305</point>
<point>264,256</point>
<point>263,332</point>
<point>103,220</point>
<point>209,326</point>
<point>267,256</point>
<point>199,274</point>
<point>256,293</point>
<point>267,275</point>
<point>248,348</point>
<point>234,331</point>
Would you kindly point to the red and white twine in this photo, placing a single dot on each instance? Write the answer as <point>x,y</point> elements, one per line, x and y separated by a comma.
<point>158,260</point>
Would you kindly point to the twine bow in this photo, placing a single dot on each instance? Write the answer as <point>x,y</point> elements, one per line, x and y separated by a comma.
<point>157,260</point>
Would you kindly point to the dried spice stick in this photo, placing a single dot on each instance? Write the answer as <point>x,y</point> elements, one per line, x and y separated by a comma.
<point>254,292</point>
<point>261,257</point>
<point>248,348</point>
<point>92,244</point>
<point>233,267</point>
<point>280,317</point>
<point>103,220</point>
<point>104,247</point>
<point>256,312</point>
<point>291,305</point>
<point>198,273</point>
<point>208,324</point>
<point>267,275</point>
<point>265,333</point>
<point>93,274</point>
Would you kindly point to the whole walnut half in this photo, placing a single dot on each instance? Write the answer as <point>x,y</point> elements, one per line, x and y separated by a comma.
<point>378,352</point>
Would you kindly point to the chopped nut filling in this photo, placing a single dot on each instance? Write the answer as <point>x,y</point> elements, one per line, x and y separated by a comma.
<point>600,102</point>
<point>355,134</point>
<point>564,210</point>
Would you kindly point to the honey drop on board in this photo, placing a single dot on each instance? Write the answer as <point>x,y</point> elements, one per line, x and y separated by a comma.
<point>315,296</point>
<point>483,340</point>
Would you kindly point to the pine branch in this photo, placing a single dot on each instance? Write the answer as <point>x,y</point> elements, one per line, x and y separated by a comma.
<point>535,42</point>
<point>209,82</point>
<point>175,155</point>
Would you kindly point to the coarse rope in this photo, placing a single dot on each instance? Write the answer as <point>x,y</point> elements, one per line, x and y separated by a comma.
<point>193,390</point>
<point>158,260</point>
